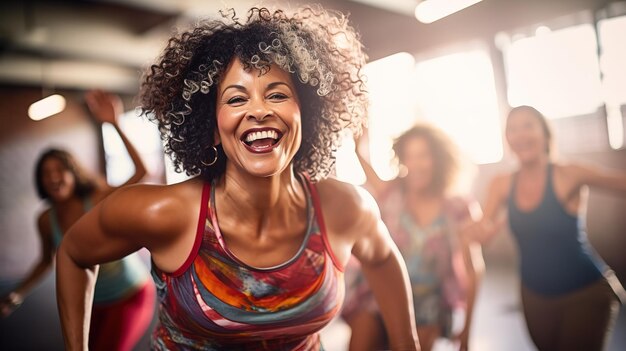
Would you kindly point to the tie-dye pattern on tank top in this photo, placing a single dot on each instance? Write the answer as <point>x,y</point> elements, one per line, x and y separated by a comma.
<point>216,302</point>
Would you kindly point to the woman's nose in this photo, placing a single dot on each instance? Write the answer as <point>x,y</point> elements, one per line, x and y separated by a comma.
<point>259,110</point>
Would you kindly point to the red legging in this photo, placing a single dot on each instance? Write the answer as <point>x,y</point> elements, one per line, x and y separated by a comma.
<point>118,326</point>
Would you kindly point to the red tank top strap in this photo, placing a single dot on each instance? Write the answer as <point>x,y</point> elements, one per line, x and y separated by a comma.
<point>206,191</point>
<point>320,221</point>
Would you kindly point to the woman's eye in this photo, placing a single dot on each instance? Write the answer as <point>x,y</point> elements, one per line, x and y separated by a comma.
<point>277,96</point>
<point>236,100</point>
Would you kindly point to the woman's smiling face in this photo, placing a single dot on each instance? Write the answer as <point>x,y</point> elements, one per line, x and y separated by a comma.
<point>58,181</point>
<point>417,157</point>
<point>526,136</point>
<point>258,119</point>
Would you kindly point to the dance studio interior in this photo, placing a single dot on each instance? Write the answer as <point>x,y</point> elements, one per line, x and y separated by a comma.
<point>458,65</point>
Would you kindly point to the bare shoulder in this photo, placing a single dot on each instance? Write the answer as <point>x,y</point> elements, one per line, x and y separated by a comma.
<point>344,203</point>
<point>43,222</point>
<point>44,217</point>
<point>151,209</point>
<point>351,217</point>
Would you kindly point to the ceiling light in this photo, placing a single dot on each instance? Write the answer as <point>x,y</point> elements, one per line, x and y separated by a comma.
<point>46,107</point>
<point>429,11</point>
<point>542,30</point>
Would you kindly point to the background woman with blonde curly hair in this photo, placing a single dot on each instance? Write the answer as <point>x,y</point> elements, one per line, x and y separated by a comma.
<point>250,253</point>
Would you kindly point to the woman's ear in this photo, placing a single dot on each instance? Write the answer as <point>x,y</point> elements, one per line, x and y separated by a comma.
<point>216,137</point>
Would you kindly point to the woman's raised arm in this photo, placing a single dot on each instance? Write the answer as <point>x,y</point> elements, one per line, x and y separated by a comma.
<point>108,108</point>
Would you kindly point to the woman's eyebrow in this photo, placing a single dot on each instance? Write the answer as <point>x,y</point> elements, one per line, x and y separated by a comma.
<point>233,86</point>
<point>243,89</point>
<point>276,84</point>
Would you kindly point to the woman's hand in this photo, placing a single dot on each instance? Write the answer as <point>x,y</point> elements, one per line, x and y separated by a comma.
<point>10,303</point>
<point>108,108</point>
<point>480,231</point>
<point>104,107</point>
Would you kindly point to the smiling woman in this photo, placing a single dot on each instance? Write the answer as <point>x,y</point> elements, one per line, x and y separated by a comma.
<point>250,253</point>
<point>124,295</point>
<point>260,119</point>
<point>568,292</point>
<point>318,49</point>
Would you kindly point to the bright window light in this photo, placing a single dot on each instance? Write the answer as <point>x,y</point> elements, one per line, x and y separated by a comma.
<point>613,55</point>
<point>429,11</point>
<point>46,107</point>
<point>556,72</point>
<point>144,136</point>
<point>457,93</point>
<point>392,111</point>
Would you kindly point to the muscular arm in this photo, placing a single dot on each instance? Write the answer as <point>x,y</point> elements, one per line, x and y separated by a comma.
<point>15,298</point>
<point>373,183</point>
<point>610,180</point>
<point>475,269</point>
<point>474,266</point>
<point>107,108</point>
<point>353,217</point>
<point>485,228</point>
<point>140,168</point>
<point>127,220</point>
<point>386,274</point>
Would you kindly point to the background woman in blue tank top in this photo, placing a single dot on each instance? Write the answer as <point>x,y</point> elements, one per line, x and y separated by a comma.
<point>124,296</point>
<point>567,294</point>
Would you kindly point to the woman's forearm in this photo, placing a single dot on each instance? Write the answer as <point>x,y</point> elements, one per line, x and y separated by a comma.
<point>373,183</point>
<point>475,266</point>
<point>471,301</point>
<point>14,299</point>
<point>140,168</point>
<point>34,276</point>
<point>75,287</point>
<point>389,282</point>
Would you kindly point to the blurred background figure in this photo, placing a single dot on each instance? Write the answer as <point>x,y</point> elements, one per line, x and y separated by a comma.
<point>424,219</point>
<point>567,290</point>
<point>125,295</point>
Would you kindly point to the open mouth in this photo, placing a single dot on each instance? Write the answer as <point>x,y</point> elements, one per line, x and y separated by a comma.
<point>55,187</point>
<point>261,140</point>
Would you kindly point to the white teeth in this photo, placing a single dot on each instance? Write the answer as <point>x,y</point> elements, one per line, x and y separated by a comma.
<point>261,135</point>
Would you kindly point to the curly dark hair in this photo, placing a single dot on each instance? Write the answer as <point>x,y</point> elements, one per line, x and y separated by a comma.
<point>318,47</point>
<point>85,185</point>
<point>445,154</point>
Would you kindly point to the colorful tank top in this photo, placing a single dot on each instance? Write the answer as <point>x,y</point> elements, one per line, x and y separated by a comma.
<point>432,252</point>
<point>433,258</point>
<point>117,279</point>
<point>216,302</point>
